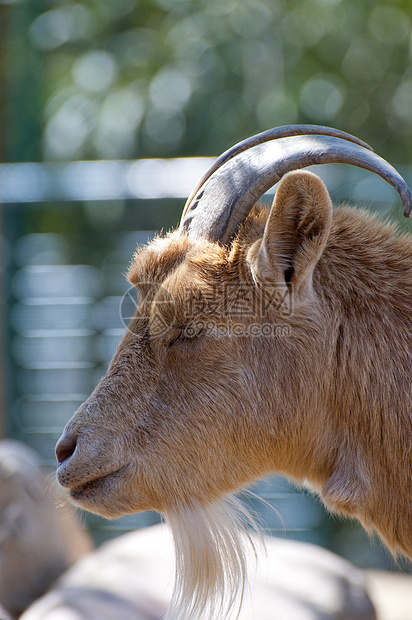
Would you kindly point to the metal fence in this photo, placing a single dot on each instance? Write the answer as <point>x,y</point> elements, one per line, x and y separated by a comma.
<point>62,319</point>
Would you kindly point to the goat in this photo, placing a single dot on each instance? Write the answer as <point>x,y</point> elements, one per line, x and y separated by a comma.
<point>38,541</point>
<point>263,341</point>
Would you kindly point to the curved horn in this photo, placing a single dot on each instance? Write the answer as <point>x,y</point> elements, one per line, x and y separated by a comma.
<point>229,189</point>
<point>271,134</point>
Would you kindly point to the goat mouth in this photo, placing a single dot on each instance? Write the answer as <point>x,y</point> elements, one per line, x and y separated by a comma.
<point>89,488</point>
<point>81,491</point>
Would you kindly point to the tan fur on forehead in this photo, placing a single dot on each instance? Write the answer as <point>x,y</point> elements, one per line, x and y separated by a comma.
<point>154,262</point>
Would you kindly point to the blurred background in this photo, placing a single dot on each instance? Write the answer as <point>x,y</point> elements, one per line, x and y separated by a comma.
<point>109,112</point>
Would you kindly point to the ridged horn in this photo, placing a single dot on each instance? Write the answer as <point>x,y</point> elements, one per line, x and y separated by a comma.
<point>226,193</point>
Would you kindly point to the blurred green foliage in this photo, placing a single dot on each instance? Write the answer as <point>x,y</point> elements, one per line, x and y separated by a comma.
<point>138,78</point>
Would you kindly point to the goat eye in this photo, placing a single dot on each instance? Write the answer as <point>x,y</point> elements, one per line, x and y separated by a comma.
<point>187,334</point>
<point>176,340</point>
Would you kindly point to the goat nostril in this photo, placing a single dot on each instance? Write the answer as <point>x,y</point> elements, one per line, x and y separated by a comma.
<point>65,448</point>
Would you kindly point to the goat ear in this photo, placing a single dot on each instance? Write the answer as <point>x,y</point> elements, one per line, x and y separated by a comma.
<point>295,233</point>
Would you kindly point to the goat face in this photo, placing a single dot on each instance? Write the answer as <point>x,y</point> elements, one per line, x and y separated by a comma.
<point>197,400</point>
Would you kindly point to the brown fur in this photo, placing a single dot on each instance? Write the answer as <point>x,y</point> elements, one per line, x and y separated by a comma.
<point>185,417</point>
